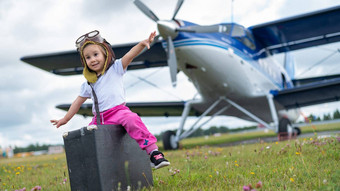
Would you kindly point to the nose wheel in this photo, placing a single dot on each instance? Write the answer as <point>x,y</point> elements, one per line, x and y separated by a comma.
<point>169,140</point>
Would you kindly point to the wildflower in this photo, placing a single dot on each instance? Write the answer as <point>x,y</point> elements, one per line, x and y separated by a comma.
<point>252,172</point>
<point>23,189</point>
<point>210,175</point>
<point>258,185</point>
<point>17,173</point>
<point>247,188</point>
<point>236,165</point>
<point>276,142</point>
<point>324,181</point>
<point>291,179</point>
<point>297,153</point>
<point>36,188</point>
<point>268,147</point>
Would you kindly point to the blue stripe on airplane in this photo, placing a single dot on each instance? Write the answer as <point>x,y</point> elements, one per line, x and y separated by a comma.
<point>225,46</point>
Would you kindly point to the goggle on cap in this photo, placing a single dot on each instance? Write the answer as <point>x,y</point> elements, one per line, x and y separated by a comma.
<point>94,37</point>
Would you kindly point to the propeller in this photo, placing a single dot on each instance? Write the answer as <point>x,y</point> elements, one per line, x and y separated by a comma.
<point>167,29</point>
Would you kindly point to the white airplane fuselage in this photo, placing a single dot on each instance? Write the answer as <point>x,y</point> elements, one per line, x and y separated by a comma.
<point>218,69</point>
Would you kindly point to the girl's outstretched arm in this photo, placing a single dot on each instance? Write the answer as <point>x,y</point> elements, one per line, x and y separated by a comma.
<point>129,56</point>
<point>70,113</point>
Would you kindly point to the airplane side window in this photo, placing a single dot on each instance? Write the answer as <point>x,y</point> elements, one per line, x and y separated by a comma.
<point>249,43</point>
<point>246,42</point>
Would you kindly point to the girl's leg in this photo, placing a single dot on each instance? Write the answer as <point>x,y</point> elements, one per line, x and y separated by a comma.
<point>134,126</point>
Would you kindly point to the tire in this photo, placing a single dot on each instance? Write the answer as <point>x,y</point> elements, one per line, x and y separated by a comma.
<point>297,130</point>
<point>169,142</point>
<point>283,125</point>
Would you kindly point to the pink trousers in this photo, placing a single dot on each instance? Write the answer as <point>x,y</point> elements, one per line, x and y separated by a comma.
<point>122,115</point>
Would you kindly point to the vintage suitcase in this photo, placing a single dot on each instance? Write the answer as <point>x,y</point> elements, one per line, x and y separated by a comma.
<point>105,158</point>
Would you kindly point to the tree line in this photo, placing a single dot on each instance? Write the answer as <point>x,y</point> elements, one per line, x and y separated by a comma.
<point>328,116</point>
<point>30,148</point>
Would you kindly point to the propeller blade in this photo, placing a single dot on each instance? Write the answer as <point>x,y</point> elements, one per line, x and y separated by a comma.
<point>205,29</point>
<point>172,62</point>
<point>146,10</point>
<point>178,6</point>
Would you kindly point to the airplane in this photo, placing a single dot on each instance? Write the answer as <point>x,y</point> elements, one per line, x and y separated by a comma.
<point>232,68</point>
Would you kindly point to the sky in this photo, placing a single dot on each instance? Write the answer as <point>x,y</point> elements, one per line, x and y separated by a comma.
<point>28,95</point>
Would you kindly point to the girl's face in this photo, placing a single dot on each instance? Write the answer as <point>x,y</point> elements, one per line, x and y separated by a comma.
<point>94,57</point>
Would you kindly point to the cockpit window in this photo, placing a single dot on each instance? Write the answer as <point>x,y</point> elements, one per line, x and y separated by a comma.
<point>237,31</point>
<point>240,33</point>
<point>243,35</point>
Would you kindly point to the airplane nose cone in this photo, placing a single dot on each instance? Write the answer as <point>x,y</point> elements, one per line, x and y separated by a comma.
<point>167,28</point>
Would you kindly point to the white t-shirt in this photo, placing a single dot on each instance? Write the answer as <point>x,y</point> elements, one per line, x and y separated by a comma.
<point>109,88</point>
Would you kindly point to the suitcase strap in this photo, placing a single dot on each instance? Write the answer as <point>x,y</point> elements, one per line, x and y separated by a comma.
<point>96,105</point>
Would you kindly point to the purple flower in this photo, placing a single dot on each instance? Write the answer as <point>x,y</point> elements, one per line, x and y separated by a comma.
<point>258,185</point>
<point>246,188</point>
<point>36,188</point>
<point>23,189</point>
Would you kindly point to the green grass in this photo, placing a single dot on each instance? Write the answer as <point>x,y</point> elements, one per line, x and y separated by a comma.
<point>47,171</point>
<point>301,164</point>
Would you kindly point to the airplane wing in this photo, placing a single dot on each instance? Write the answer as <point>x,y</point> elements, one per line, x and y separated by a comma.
<point>68,62</point>
<point>309,94</point>
<point>311,29</point>
<point>144,109</point>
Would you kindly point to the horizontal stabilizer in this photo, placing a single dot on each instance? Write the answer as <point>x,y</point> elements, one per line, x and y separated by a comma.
<point>144,109</point>
<point>309,94</point>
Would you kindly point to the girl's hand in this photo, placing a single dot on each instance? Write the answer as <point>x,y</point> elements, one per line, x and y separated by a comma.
<point>59,122</point>
<point>148,41</point>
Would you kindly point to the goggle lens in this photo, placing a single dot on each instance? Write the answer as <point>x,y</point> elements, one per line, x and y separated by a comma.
<point>91,35</point>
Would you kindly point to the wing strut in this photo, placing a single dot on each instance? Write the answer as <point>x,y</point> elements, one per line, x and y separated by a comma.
<point>248,113</point>
<point>193,128</point>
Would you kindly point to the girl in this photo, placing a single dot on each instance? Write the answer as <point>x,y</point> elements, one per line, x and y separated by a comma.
<point>105,74</point>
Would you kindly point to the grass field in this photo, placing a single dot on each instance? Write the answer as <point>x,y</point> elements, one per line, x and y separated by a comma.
<point>300,164</point>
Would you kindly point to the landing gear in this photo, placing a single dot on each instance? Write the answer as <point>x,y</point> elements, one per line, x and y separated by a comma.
<point>286,131</point>
<point>284,123</point>
<point>297,131</point>
<point>169,140</point>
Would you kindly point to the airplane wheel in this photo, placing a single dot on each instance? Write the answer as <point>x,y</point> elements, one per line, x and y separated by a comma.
<point>297,130</point>
<point>283,125</point>
<point>169,140</point>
